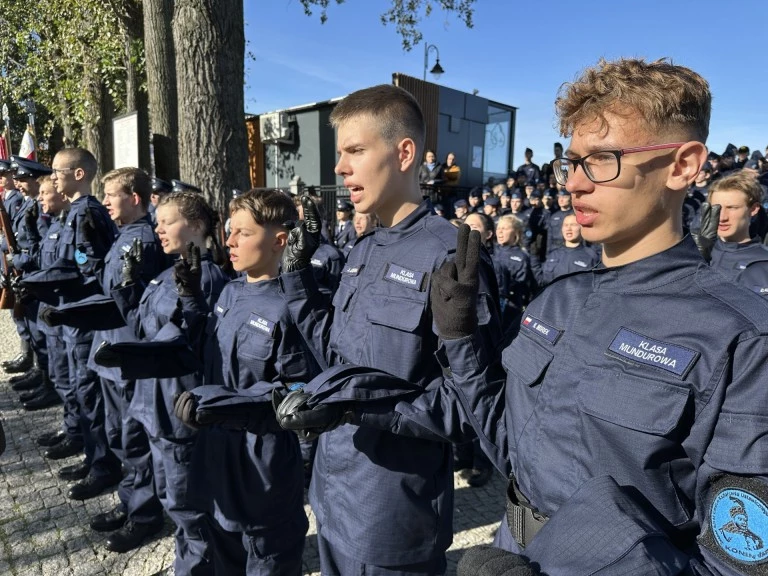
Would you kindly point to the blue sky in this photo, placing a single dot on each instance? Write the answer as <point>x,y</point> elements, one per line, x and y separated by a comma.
<point>517,53</point>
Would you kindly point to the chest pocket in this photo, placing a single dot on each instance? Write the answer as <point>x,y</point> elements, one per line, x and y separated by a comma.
<point>67,238</point>
<point>526,361</point>
<point>640,404</point>
<point>396,343</point>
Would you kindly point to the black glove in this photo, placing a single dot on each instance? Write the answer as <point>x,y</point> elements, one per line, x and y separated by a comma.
<point>705,238</point>
<point>454,288</point>
<point>52,317</point>
<point>30,221</point>
<point>292,413</point>
<point>489,561</point>
<point>5,281</point>
<point>20,292</point>
<point>187,272</point>
<point>304,239</point>
<point>185,408</point>
<point>131,270</point>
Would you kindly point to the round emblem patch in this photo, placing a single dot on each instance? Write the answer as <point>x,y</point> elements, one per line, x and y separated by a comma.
<point>739,522</point>
<point>80,257</point>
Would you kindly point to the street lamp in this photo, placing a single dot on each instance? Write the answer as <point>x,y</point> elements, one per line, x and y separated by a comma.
<point>437,70</point>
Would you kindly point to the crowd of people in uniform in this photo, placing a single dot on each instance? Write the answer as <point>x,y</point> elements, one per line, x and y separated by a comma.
<point>593,328</point>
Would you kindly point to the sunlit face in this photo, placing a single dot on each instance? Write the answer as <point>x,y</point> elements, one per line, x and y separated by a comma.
<point>601,209</point>
<point>173,229</point>
<point>564,201</point>
<point>120,204</point>
<point>51,201</point>
<point>735,214</point>
<point>571,229</point>
<point>154,198</point>
<point>505,233</point>
<point>65,176</point>
<point>490,210</point>
<point>363,223</point>
<point>253,248</point>
<point>370,166</point>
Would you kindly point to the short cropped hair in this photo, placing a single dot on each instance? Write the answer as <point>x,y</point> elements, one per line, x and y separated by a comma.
<point>83,159</point>
<point>131,180</point>
<point>267,207</point>
<point>666,96</point>
<point>741,182</point>
<point>397,112</point>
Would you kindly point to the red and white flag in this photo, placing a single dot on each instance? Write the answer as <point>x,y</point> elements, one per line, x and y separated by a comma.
<point>4,149</point>
<point>28,147</point>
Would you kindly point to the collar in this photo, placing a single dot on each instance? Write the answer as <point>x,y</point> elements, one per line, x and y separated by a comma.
<point>736,246</point>
<point>405,227</point>
<point>679,261</point>
<point>143,221</point>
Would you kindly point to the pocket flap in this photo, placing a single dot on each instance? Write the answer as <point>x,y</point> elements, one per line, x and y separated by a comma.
<point>526,360</point>
<point>636,403</point>
<point>399,314</point>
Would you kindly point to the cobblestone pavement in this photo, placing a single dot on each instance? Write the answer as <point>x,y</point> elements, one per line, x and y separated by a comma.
<point>42,532</point>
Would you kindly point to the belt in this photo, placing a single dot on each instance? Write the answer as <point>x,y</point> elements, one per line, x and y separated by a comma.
<point>523,519</point>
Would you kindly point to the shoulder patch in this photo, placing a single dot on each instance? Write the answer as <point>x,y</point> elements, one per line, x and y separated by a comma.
<point>541,329</point>
<point>80,257</point>
<point>351,270</point>
<point>638,348</point>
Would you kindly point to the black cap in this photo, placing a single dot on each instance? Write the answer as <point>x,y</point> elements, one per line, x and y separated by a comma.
<point>476,192</point>
<point>179,186</point>
<point>713,156</point>
<point>344,205</point>
<point>5,166</point>
<point>752,164</point>
<point>492,201</point>
<point>743,150</point>
<point>161,186</point>
<point>730,150</point>
<point>24,168</point>
<point>536,194</point>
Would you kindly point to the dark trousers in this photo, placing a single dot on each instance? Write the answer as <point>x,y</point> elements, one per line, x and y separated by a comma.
<point>179,494</point>
<point>90,401</point>
<point>250,554</point>
<point>58,372</point>
<point>129,443</point>
<point>333,563</point>
<point>34,335</point>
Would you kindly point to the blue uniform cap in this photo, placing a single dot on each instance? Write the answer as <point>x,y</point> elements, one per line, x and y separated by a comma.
<point>536,194</point>
<point>439,208</point>
<point>179,186</point>
<point>492,201</point>
<point>460,204</point>
<point>343,205</point>
<point>5,166</point>
<point>563,192</point>
<point>515,195</point>
<point>24,168</point>
<point>547,192</point>
<point>161,186</point>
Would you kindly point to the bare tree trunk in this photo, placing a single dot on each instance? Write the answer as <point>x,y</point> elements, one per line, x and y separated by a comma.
<point>161,86</point>
<point>97,132</point>
<point>209,40</point>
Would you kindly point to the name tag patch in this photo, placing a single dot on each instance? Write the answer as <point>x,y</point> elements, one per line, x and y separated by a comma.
<point>541,329</point>
<point>262,324</point>
<point>516,258</point>
<point>403,276</point>
<point>675,359</point>
<point>762,290</point>
<point>351,270</point>
<point>580,263</point>
<point>316,263</point>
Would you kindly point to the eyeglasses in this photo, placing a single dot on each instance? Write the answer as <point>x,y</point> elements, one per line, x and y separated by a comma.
<point>57,170</point>
<point>602,166</point>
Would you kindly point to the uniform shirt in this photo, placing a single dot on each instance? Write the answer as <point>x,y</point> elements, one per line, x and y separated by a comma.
<point>654,374</point>
<point>745,264</point>
<point>555,229</point>
<point>147,309</point>
<point>46,257</point>
<point>515,280</point>
<point>343,234</point>
<point>564,261</point>
<point>381,498</point>
<point>327,263</point>
<point>256,480</point>
<point>12,202</point>
<point>153,262</point>
<point>27,241</point>
<point>531,171</point>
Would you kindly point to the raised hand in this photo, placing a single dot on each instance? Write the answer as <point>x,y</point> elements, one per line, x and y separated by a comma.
<point>188,272</point>
<point>303,239</point>
<point>132,261</point>
<point>705,239</point>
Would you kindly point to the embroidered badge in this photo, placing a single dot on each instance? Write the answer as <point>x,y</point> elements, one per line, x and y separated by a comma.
<point>739,524</point>
<point>256,321</point>
<point>541,329</point>
<point>580,263</point>
<point>742,265</point>
<point>80,257</point>
<point>516,258</point>
<point>219,310</point>
<point>400,275</point>
<point>762,290</point>
<point>351,270</point>
<point>316,263</point>
<point>638,348</point>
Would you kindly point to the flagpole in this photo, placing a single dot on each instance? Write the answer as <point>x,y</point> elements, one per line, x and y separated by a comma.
<point>7,120</point>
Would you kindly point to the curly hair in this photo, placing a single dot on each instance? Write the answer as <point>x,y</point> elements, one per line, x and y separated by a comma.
<point>667,96</point>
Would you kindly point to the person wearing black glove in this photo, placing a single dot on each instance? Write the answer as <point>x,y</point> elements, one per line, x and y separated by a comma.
<point>293,413</point>
<point>131,271</point>
<point>487,560</point>
<point>304,239</point>
<point>187,272</point>
<point>185,409</point>
<point>454,288</point>
<point>707,234</point>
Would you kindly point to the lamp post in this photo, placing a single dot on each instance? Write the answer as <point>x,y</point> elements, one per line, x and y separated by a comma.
<point>437,70</point>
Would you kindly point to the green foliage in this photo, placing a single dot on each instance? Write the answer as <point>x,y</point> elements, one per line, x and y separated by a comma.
<point>405,15</point>
<point>59,53</point>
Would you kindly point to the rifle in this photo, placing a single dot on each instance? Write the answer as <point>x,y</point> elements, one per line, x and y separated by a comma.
<point>7,299</point>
